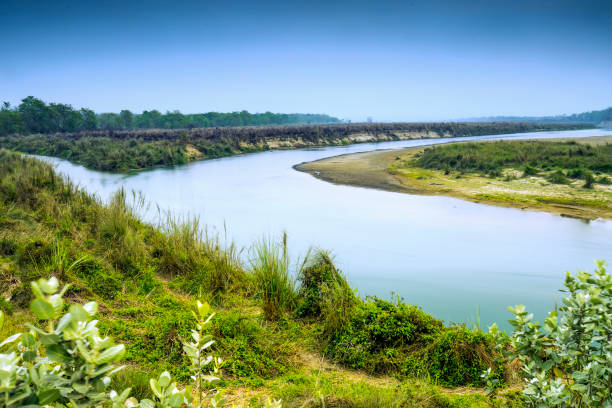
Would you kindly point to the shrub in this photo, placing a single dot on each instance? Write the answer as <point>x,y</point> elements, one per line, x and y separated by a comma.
<point>68,363</point>
<point>568,360</point>
<point>78,362</point>
<point>529,171</point>
<point>317,277</point>
<point>588,180</point>
<point>605,180</point>
<point>557,178</point>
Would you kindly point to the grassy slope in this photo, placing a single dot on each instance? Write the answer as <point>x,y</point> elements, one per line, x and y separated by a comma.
<point>145,279</point>
<point>139,149</point>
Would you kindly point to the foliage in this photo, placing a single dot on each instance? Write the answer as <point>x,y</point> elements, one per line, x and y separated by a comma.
<point>385,337</point>
<point>533,156</point>
<point>316,278</point>
<point>33,115</point>
<point>557,178</point>
<point>567,361</point>
<point>270,271</point>
<point>65,361</point>
<point>110,149</point>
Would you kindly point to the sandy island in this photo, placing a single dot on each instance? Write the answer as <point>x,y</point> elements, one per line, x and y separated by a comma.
<point>382,170</point>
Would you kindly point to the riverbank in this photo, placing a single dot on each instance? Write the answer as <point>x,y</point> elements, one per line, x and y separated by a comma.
<point>133,150</point>
<point>393,170</point>
<point>310,342</point>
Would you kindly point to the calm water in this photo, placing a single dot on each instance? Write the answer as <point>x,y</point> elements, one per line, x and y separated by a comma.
<point>447,255</point>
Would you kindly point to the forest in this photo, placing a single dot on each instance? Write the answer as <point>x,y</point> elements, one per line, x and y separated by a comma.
<point>33,115</point>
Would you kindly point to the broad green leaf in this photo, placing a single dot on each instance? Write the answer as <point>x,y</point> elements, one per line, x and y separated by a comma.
<point>175,400</point>
<point>155,388</point>
<point>56,353</point>
<point>49,339</point>
<point>131,403</point>
<point>28,340</point>
<point>147,403</point>
<point>42,309</point>
<point>111,354</point>
<point>11,339</point>
<point>49,396</point>
<point>80,388</point>
<point>78,313</point>
<point>164,379</point>
<point>91,308</point>
<point>49,286</point>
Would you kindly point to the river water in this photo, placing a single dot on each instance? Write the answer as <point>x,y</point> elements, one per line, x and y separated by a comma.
<point>454,258</point>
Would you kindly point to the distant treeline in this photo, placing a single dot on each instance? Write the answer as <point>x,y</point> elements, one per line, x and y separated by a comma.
<point>112,150</point>
<point>600,117</point>
<point>33,115</point>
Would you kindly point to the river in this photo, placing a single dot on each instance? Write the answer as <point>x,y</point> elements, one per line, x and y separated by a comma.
<point>454,258</point>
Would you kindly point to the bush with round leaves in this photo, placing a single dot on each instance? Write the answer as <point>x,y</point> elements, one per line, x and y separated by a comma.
<point>567,361</point>
<point>65,361</point>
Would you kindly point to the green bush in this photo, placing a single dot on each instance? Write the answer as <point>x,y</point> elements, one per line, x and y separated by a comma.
<point>557,177</point>
<point>530,171</point>
<point>67,363</point>
<point>316,278</point>
<point>589,180</point>
<point>568,359</point>
<point>253,351</point>
<point>532,156</point>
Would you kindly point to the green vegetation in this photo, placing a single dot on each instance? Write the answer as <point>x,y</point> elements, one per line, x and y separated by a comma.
<point>567,362</point>
<point>144,280</point>
<point>124,150</point>
<point>599,117</point>
<point>33,115</point>
<point>561,160</point>
<point>277,337</point>
<point>533,156</point>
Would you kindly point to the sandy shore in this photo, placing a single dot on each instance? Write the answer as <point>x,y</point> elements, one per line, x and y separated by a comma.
<point>380,170</point>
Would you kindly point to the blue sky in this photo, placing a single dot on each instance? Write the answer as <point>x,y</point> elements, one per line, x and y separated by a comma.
<point>409,60</point>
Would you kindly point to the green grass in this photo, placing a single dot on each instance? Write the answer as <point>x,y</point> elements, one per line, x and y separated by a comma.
<point>271,277</point>
<point>145,278</point>
<point>571,159</point>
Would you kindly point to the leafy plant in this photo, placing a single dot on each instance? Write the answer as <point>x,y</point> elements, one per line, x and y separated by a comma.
<point>567,361</point>
<point>66,361</point>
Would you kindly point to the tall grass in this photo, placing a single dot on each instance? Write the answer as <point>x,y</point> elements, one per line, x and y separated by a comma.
<point>270,266</point>
<point>201,260</point>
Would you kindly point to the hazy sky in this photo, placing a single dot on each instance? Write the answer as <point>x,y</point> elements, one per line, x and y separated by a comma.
<point>408,60</point>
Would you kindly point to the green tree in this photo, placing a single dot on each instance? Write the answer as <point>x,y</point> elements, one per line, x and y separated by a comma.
<point>36,116</point>
<point>65,118</point>
<point>126,119</point>
<point>88,120</point>
<point>10,120</point>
